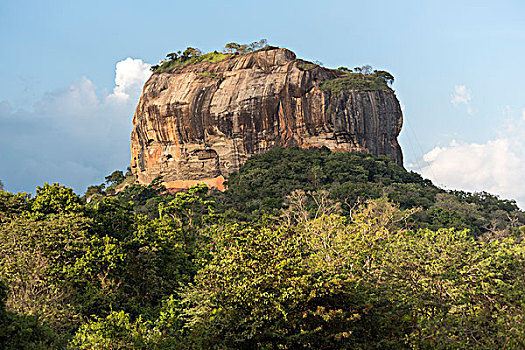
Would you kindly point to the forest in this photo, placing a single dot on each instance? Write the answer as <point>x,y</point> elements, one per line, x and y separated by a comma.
<point>306,249</point>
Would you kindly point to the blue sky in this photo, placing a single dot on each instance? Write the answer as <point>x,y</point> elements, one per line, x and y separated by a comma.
<point>66,117</point>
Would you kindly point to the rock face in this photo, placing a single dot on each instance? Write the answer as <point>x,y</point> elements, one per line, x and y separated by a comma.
<point>200,122</point>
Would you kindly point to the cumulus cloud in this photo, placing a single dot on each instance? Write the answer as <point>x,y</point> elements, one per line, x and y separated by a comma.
<point>74,136</point>
<point>462,95</point>
<point>496,166</point>
<point>130,76</point>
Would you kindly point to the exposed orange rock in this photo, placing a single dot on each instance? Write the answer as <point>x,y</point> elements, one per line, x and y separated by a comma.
<point>178,185</point>
<point>200,122</point>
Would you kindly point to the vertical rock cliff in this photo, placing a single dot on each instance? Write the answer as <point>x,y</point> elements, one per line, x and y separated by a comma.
<point>199,122</point>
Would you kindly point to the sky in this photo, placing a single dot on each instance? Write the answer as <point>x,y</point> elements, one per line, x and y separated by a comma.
<point>72,72</point>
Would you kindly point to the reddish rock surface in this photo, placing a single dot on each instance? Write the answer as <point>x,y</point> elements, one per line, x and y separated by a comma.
<point>201,122</point>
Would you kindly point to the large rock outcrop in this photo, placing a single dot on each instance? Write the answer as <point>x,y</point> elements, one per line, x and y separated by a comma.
<point>200,122</point>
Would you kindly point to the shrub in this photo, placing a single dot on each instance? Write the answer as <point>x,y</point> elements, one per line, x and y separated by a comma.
<point>356,81</point>
<point>307,66</point>
<point>181,62</point>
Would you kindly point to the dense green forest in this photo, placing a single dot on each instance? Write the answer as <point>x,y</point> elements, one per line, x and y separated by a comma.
<point>307,249</point>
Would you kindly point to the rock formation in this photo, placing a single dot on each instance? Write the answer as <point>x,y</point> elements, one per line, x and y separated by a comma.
<point>199,122</point>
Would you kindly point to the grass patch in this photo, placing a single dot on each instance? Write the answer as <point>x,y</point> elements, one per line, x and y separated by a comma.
<point>211,57</point>
<point>193,55</point>
<point>307,66</point>
<point>356,81</point>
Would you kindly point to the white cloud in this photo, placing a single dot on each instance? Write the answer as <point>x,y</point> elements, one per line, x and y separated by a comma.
<point>73,136</point>
<point>496,166</point>
<point>432,155</point>
<point>462,95</point>
<point>130,76</point>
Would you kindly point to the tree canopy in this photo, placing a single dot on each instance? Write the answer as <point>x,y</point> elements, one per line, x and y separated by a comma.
<point>307,249</point>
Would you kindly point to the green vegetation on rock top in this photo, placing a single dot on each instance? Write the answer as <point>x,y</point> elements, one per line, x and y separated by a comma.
<point>193,55</point>
<point>361,78</point>
<point>183,61</point>
<point>355,81</point>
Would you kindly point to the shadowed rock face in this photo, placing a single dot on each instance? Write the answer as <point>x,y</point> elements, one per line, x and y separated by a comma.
<point>202,121</point>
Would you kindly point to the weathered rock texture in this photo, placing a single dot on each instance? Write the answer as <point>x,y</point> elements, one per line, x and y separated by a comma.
<point>200,122</point>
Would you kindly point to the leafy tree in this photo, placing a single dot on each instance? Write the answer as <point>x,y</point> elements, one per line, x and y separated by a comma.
<point>159,261</point>
<point>115,178</point>
<point>345,69</point>
<point>55,199</point>
<point>245,48</point>
<point>263,183</point>
<point>24,332</point>
<point>389,78</point>
<point>295,288</point>
<point>365,70</point>
<point>188,206</point>
<point>262,43</point>
<point>367,282</point>
<point>462,292</point>
<point>306,249</point>
<point>116,331</point>
<point>34,250</point>
<point>190,52</point>
<point>145,199</point>
<point>12,205</point>
<point>173,56</point>
<point>94,190</point>
<point>252,46</point>
<point>193,55</point>
<point>231,47</point>
<point>131,262</point>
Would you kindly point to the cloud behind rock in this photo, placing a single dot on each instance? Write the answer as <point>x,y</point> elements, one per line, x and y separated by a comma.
<point>496,166</point>
<point>130,76</point>
<point>72,136</point>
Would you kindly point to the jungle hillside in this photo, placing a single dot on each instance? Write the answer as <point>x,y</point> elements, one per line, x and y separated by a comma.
<point>306,249</point>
